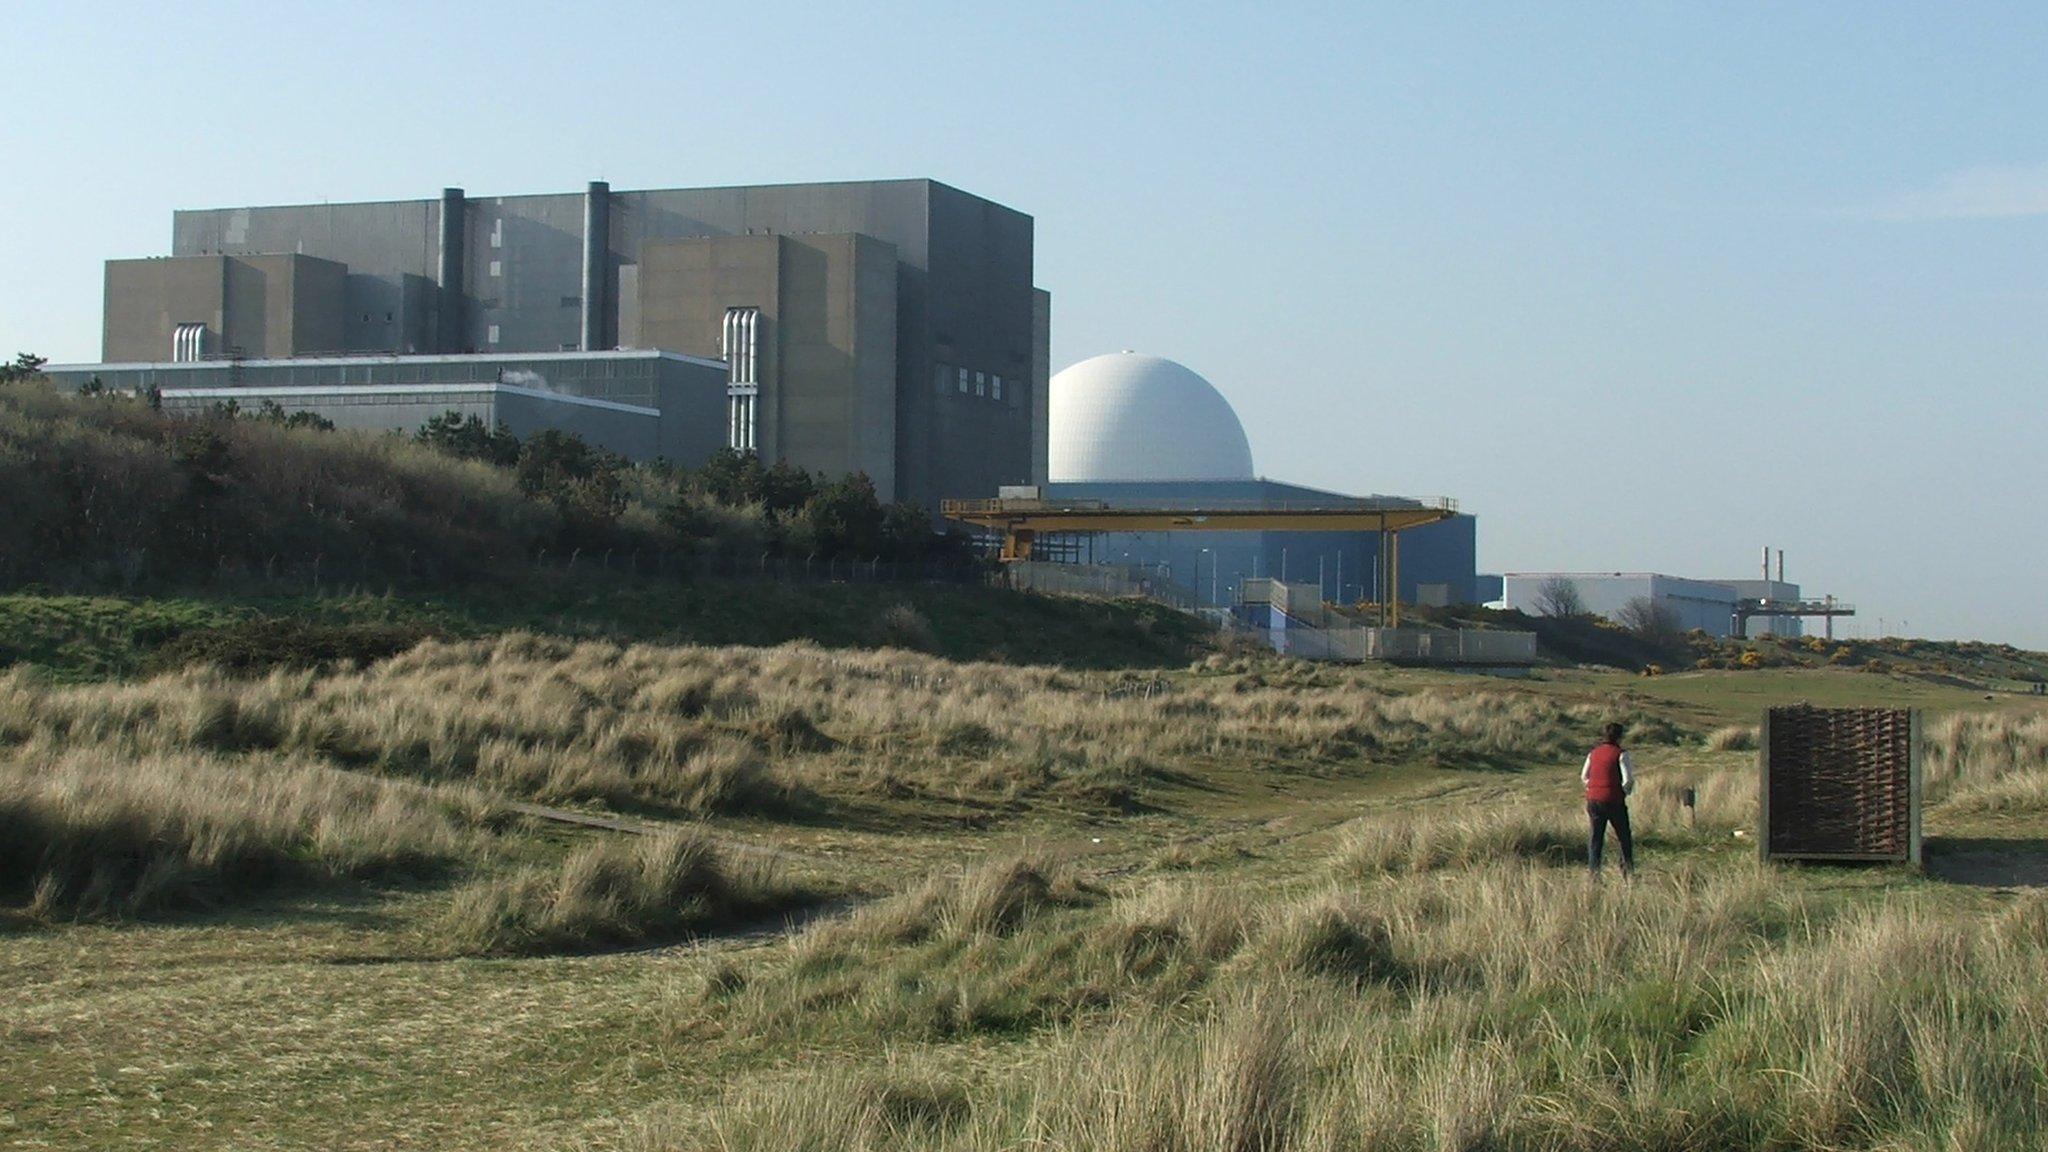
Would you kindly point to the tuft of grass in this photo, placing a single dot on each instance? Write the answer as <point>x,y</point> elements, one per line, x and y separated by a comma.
<point>994,897</point>
<point>615,892</point>
<point>1733,738</point>
<point>97,835</point>
<point>1335,937</point>
<point>1986,760</point>
<point>1433,843</point>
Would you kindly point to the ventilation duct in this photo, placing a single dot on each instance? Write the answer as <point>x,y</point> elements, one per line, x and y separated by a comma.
<point>188,343</point>
<point>741,344</point>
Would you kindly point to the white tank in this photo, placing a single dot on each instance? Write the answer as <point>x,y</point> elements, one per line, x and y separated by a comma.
<point>1130,417</point>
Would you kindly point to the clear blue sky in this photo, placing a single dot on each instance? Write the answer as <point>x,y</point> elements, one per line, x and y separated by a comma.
<point>1645,286</point>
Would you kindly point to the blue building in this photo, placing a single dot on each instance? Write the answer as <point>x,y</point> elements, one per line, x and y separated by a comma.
<point>1137,431</point>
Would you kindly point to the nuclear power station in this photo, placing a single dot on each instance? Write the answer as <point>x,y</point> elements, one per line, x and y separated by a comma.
<point>892,328</point>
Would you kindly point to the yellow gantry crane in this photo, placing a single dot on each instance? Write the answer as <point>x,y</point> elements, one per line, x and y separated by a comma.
<point>1021,521</point>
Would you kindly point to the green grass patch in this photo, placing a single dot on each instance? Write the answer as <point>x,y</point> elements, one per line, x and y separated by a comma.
<point>101,637</point>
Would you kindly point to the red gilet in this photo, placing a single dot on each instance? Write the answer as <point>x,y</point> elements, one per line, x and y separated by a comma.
<point>1603,775</point>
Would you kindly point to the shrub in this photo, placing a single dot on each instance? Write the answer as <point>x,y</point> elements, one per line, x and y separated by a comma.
<point>467,438</point>
<point>905,627</point>
<point>257,646</point>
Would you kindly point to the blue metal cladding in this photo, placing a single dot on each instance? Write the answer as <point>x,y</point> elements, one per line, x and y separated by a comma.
<point>1214,565</point>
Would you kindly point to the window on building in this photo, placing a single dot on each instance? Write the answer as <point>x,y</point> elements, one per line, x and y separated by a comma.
<point>963,381</point>
<point>942,377</point>
<point>497,268</point>
<point>491,334</point>
<point>980,384</point>
<point>995,386</point>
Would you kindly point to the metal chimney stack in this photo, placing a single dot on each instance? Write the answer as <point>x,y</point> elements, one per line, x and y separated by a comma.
<point>597,228</point>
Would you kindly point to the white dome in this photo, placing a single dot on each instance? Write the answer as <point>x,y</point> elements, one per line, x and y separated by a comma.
<point>1129,417</point>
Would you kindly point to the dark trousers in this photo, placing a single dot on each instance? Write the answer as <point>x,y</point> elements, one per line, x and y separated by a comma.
<point>1601,815</point>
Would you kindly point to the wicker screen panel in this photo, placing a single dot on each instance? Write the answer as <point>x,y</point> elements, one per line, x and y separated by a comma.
<point>1840,784</point>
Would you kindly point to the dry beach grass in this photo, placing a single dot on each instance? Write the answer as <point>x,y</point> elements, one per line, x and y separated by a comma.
<point>1244,905</point>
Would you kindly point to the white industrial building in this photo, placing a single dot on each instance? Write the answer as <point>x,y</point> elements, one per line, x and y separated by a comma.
<point>1709,605</point>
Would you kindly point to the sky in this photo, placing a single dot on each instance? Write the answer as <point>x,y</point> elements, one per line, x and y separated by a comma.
<point>1645,287</point>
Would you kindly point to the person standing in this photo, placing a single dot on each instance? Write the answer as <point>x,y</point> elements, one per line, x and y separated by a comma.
<point>1609,777</point>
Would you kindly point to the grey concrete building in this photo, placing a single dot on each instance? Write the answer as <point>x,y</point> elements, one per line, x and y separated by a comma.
<point>256,305</point>
<point>645,405</point>
<point>890,327</point>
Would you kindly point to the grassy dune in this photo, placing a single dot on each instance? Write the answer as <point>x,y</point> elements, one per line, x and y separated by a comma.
<point>1499,1005</point>
<point>765,732</point>
<point>1245,904</point>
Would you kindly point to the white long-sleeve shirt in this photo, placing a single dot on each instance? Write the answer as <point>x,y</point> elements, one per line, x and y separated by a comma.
<point>1628,773</point>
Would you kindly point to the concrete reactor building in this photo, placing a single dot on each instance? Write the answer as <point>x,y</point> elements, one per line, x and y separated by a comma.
<point>1136,431</point>
<point>886,327</point>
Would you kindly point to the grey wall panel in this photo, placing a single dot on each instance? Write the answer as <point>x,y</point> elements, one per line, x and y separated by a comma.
<point>257,290</point>
<point>1039,400</point>
<point>385,237</point>
<point>635,436</point>
<point>872,418</point>
<point>380,242</point>
<point>891,210</point>
<point>979,295</point>
<point>525,273</point>
<point>147,299</point>
<point>317,299</point>
<point>692,402</point>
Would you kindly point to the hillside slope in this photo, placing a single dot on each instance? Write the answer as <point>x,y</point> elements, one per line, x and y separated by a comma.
<point>134,540</point>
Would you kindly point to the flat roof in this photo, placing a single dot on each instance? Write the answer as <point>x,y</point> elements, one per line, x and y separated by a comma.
<point>382,358</point>
<point>304,391</point>
<point>466,195</point>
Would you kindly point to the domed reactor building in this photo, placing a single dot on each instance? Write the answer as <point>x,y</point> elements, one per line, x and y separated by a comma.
<point>1137,431</point>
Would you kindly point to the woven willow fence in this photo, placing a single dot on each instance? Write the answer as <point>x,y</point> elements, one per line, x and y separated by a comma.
<point>1840,784</point>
